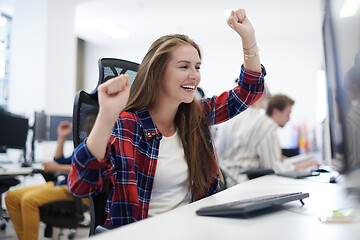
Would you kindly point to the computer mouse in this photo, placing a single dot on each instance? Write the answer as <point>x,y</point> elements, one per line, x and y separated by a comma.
<point>332,179</point>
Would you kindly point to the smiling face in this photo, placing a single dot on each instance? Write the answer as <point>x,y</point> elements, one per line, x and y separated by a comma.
<point>181,76</point>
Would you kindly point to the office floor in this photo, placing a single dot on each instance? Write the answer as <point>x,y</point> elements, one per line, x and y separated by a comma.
<point>9,232</point>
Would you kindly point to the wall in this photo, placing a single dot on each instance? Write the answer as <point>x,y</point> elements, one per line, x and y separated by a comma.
<point>43,57</point>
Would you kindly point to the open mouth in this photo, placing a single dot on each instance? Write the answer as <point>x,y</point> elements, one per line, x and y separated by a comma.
<point>188,87</point>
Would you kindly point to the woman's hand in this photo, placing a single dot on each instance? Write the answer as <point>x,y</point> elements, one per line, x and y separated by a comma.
<point>113,96</point>
<point>240,22</point>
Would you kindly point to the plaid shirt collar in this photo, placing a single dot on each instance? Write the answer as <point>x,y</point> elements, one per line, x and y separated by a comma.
<point>150,129</point>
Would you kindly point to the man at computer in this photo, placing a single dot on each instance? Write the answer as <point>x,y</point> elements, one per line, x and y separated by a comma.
<point>23,204</point>
<point>257,146</point>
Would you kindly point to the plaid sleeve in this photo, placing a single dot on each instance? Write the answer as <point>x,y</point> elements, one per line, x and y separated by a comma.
<point>227,105</point>
<point>87,172</point>
<point>63,160</point>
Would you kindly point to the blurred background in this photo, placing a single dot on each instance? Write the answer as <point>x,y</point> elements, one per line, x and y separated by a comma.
<point>50,49</point>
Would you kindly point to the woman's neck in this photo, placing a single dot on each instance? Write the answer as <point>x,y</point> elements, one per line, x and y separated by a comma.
<point>164,118</point>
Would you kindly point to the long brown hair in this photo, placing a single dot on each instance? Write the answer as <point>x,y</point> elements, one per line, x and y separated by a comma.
<point>192,126</point>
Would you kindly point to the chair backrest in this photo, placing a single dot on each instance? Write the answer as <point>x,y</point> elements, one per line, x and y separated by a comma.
<point>112,67</point>
<point>86,106</point>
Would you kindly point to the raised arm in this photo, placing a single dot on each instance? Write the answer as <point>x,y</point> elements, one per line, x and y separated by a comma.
<point>241,23</point>
<point>113,96</point>
<point>63,130</point>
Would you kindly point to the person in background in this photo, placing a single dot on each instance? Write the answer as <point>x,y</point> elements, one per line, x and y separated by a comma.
<point>226,135</point>
<point>23,204</point>
<point>152,142</point>
<point>252,141</point>
<point>352,93</point>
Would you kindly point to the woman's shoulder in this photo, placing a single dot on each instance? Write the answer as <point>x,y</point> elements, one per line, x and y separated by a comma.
<point>137,119</point>
<point>128,114</point>
<point>129,117</point>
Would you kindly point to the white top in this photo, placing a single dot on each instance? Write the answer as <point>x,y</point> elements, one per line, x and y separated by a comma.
<point>249,141</point>
<point>171,183</point>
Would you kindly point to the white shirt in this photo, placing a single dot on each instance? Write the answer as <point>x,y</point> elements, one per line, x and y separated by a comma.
<point>249,141</point>
<point>171,183</point>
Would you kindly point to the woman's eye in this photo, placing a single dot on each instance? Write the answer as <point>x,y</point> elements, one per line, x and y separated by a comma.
<point>197,68</point>
<point>185,67</point>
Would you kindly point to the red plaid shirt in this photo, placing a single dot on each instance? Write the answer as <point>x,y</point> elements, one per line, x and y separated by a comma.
<point>132,152</point>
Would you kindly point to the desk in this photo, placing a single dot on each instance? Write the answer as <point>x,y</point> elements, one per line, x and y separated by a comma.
<point>16,169</point>
<point>15,172</point>
<point>293,222</point>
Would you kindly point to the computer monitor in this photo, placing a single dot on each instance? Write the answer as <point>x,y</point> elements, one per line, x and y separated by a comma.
<point>40,127</point>
<point>341,37</point>
<point>55,120</point>
<point>13,131</point>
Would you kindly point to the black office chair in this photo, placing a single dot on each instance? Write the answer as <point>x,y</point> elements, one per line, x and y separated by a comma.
<point>5,183</point>
<point>63,214</point>
<point>97,212</point>
<point>255,173</point>
<point>290,152</point>
<point>222,184</point>
<point>85,110</point>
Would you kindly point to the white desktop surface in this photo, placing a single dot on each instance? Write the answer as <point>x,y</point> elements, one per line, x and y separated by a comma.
<point>16,169</point>
<point>294,222</point>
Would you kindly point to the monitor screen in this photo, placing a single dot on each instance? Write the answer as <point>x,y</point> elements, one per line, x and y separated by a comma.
<point>341,36</point>
<point>13,131</point>
<point>53,124</point>
<point>40,127</point>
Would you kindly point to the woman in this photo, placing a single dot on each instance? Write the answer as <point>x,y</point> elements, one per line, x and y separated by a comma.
<point>160,127</point>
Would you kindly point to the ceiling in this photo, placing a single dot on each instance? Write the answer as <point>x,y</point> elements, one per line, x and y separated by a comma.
<point>202,20</point>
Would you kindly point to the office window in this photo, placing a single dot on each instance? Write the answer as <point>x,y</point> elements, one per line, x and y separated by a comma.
<point>5,24</point>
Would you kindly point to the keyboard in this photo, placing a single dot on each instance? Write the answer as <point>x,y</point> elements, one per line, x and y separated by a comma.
<point>243,207</point>
<point>299,174</point>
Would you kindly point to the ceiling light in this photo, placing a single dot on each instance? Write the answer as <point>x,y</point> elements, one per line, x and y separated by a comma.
<point>109,28</point>
<point>349,8</point>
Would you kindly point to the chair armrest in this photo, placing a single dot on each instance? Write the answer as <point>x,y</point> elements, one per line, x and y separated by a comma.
<point>48,176</point>
<point>102,228</point>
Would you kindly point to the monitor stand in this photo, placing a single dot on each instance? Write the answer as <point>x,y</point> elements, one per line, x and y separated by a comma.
<point>26,164</point>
